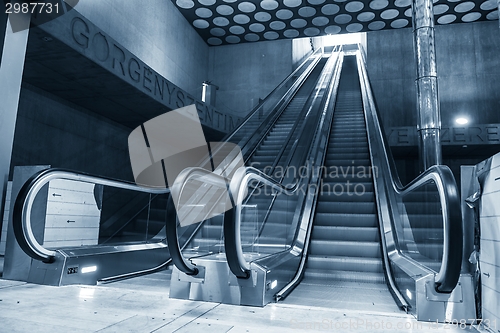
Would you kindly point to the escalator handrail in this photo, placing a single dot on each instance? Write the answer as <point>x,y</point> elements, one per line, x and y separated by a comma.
<point>251,143</point>
<point>22,209</point>
<point>188,174</point>
<point>232,219</point>
<point>309,207</point>
<point>295,153</point>
<point>279,107</point>
<point>449,273</point>
<point>21,216</point>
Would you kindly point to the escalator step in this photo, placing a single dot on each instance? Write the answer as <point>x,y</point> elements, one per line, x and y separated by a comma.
<point>344,195</point>
<point>344,248</point>
<point>334,263</point>
<point>346,220</point>
<point>332,182</point>
<point>342,208</point>
<point>339,160</point>
<point>327,277</point>
<point>364,234</point>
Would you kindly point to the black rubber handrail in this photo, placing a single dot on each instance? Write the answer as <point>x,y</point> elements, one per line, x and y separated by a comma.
<point>21,215</point>
<point>182,181</point>
<point>261,132</point>
<point>232,218</point>
<point>235,258</point>
<point>232,240</point>
<point>308,211</point>
<point>449,273</point>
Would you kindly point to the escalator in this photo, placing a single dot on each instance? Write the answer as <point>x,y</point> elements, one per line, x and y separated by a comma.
<point>201,274</point>
<point>270,153</point>
<point>356,239</point>
<point>128,221</point>
<point>344,258</point>
<point>361,240</point>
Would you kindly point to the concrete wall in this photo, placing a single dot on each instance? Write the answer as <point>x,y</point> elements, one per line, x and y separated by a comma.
<point>468,72</point>
<point>5,219</point>
<point>157,33</point>
<point>247,72</point>
<point>51,131</point>
<point>391,71</point>
<point>301,47</point>
<point>468,77</point>
<point>3,28</point>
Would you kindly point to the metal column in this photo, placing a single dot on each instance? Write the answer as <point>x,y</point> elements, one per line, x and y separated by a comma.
<point>11,73</point>
<point>429,118</point>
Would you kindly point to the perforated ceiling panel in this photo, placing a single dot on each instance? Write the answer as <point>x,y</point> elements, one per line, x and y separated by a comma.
<point>230,21</point>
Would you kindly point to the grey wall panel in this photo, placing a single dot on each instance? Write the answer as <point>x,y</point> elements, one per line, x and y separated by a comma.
<point>3,27</point>
<point>391,69</point>
<point>52,131</point>
<point>301,47</point>
<point>468,73</point>
<point>247,72</point>
<point>157,33</point>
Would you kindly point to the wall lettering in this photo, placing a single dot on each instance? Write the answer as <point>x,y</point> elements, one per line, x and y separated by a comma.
<point>180,99</point>
<point>493,133</point>
<point>170,91</point>
<point>146,83</point>
<point>403,136</point>
<point>209,115</point>
<point>131,72</point>
<point>459,134</point>
<point>121,58</point>
<point>218,118</point>
<point>101,48</point>
<point>475,134</point>
<point>445,135</point>
<point>470,135</point>
<point>80,31</point>
<point>159,86</point>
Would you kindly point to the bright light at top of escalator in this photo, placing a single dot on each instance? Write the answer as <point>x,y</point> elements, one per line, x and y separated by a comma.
<point>343,39</point>
<point>462,121</point>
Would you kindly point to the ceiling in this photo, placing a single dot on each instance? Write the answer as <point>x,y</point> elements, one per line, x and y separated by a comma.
<point>222,22</point>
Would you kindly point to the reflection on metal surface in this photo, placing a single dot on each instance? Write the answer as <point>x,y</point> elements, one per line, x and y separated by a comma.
<point>429,118</point>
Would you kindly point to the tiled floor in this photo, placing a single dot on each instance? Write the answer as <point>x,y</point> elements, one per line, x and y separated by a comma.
<point>142,305</point>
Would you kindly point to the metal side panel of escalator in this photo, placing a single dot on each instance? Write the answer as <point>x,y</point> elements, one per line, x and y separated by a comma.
<point>274,151</point>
